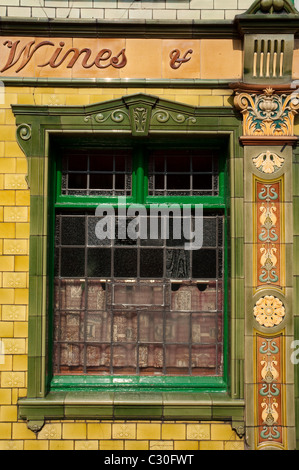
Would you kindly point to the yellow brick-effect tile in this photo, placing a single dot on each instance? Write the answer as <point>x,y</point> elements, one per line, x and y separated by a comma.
<point>16,214</point>
<point>6,363</point>
<point>14,181</point>
<point>36,445</point>
<point>99,431</point>
<point>8,413</point>
<point>5,396</point>
<point>86,445</point>
<point>186,445</point>
<point>21,431</point>
<point>198,431</point>
<point>15,280</point>
<point>6,296</point>
<point>7,230</point>
<point>5,431</point>
<point>222,432</point>
<point>112,445</point>
<point>51,431</point>
<point>20,362</point>
<point>161,445</point>
<point>124,431</point>
<point>7,197</point>
<point>211,445</point>
<point>211,100</point>
<point>6,329</point>
<point>61,445</point>
<point>148,431</point>
<point>173,431</point>
<point>12,379</point>
<point>7,263</point>
<point>14,346</point>
<point>234,445</point>
<point>136,445</point>
<point>15,247</point>
<point>14,312</point>
<point>11,445</point>
<point>74,431</point>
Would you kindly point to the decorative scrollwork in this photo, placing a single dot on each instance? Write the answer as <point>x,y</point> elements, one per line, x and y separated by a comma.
<point>267,114</point>
<point>24,131</point>
<point>118,115</point>
<point>163,116</point>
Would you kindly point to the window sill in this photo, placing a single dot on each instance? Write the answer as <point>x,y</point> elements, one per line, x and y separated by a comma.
<point>130,405</point>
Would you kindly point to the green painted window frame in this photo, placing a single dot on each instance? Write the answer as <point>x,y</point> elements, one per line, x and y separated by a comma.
<point>37,129</point>
<point>140,196</point>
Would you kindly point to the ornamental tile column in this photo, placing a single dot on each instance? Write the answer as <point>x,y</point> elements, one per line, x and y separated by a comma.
<point>268,104</point>
<point>268,138</point>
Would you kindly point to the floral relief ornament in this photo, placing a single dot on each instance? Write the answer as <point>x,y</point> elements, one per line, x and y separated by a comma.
<point>268,162</point>
<point>269,311</point>
<point>267,114</point>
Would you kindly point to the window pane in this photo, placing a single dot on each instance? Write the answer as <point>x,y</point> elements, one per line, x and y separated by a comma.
<point>204,264</point>
<point>73,231</point>
<point>72,262</point>
<point>151,263</point>
<point>125,262</point>
<point>98,262</point>
<point>104,172</point>
<point>181,172</point>
<point>134,306</point>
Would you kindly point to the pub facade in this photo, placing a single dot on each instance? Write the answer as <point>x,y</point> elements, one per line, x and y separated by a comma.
<point>149,205</point>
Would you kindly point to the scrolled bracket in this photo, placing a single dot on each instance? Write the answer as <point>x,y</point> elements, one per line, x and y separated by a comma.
<point>24,132</point>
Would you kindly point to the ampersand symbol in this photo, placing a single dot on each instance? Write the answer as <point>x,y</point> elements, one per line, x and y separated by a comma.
<point>176,61</point>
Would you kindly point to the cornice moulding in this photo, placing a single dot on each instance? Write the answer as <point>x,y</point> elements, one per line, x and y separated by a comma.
<point>94,28</point>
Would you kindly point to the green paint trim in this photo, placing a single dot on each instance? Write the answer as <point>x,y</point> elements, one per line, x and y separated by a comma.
<point>137,383</point>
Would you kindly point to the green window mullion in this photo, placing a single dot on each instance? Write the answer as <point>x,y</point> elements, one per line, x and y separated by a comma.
<point>139,175</point>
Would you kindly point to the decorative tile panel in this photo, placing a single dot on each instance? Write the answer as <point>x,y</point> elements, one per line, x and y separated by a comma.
<point>269,390</point>
<point>269,251</point>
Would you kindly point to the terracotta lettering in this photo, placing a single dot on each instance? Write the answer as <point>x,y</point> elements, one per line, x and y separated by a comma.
<point>19,56</point>
<point>176,61</point>
<point>76,54</point>
<point>115,62</point>
<point>27,52</point>
<point>103,55</point>
<point>100,61</point>
<point>22,56</point>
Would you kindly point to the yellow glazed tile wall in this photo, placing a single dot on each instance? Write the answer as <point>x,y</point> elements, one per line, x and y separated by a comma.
<point>14,261</point>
